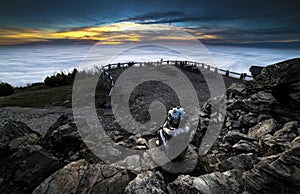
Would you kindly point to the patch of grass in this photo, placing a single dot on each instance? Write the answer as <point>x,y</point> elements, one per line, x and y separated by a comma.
<point>44,96</point>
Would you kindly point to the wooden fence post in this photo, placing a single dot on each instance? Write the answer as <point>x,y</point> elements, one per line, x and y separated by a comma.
<point>216,70</point>
<point>227,73</point>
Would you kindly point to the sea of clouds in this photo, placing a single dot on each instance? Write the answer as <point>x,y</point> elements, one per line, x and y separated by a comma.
<point>20,65</point>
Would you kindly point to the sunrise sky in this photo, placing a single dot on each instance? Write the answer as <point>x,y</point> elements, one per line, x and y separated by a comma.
<point>233,22</point>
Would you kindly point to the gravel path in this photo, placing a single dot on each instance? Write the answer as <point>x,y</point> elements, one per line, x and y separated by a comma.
<point>38,119</point>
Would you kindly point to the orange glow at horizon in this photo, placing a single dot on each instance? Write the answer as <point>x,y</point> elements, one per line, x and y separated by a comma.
<point>117,33</point>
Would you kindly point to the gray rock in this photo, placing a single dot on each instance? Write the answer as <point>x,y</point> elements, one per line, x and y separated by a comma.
<point>209,163</point>
<point>288,132</point>
<point>230,115</point>
<point>217,182</point>
<point>261,101</point>
<point>11,131</point>
<point>199,134</point>
<point>295,86</point>
<point>244,146</point>
<point>81,177</point>
<point>146,182</point>
<point>136,162</point>
<point>236,105</point>
<point>279,74</point>
<point>268,146</point>
<point>295,96</point>
<point>232,124</point>
<point>262,128</point>
<point>282,138</point>
<point>63,138</point>
<point>26,167</point>
<point>249,119</point>
<point>237,90</point>
<point>133,138</point>
<point>264,97</point>
<point>283,79</point>
<point>279,174</point>
<point>233,137</point>
<point>274,174</point>
<point>17,143</point>
<point>117,138</point>
<point>241,162</point>
<point>238,112</point>
<point>263,117</point>
<point>182,166</point>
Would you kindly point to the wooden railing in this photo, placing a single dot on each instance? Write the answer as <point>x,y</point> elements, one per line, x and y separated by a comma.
<point>187,65</point>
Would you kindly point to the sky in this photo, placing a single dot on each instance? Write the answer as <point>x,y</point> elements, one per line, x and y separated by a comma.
<point>232,22</point>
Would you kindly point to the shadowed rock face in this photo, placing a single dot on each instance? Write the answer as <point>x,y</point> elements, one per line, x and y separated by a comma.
<point>11,131</point>
<point>276,174</point>
<point>82,177</point>
<point>279,74</point>
<point>23,163</point>
<point>257,151</point>
<point>63,137</point>
<point>64,141</point>
<point>283,79</point>
<point>147,182</point>
<point>227,182</point>
<point>259,143</point>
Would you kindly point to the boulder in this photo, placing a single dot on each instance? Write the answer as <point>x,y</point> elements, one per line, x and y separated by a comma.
<point>199,134</point>
<point>261,101</point>
<point>217,182</point>
<point>241,162</point>
<point>281,140</point>
<point>295,96</point>
<point>244,146</point>
<point>63,138</point>
<point>26,167</point>
<point>237,90</point>
<point>268,146</point>
<point>262,128</point>
<point>82,177</point>
<point>20,142</point>
<point>136,162</point>
<point>234,104</point>
<point>232,124</point>
<point>184,165</point>
<point>276,174</point>
<point>233,137</point>
<point>249,119</point>
<point>294,92</point>
<point>263,117</point>
<point>279,74</point>
<point>209,163</point>
<point>11,131</point>
<point>147,182</point>
<point>283,79</point>
<point>288,132</point>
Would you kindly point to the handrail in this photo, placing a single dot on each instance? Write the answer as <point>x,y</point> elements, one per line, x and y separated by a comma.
<point>183,64</point>
<point>188,65</point>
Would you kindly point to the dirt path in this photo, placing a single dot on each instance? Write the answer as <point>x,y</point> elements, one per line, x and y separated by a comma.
<point>38,119</point>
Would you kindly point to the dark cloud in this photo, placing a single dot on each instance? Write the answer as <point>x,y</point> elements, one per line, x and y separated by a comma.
<point>238,21</point>
<point>157,17</point>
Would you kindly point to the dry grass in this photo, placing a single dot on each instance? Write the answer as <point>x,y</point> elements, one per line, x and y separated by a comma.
<point>43,96</point>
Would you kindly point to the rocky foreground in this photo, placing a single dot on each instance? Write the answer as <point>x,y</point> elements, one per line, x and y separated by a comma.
<point>257,151</point>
